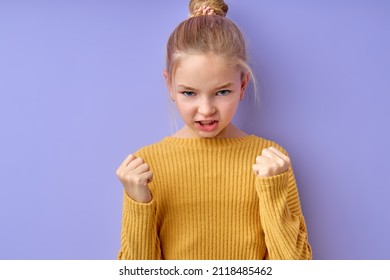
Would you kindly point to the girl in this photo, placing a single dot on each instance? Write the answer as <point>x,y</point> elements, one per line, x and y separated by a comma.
<point>217,192</point>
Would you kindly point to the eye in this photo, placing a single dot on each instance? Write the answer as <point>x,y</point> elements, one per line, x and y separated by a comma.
<point>223,92</point>
<point>188,93</point>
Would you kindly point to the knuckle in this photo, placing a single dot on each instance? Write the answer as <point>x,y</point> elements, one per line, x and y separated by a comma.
<point>145,165</point>
<point>280,162</point>
<point>259,159</point>
<point>120,174</point>
<point>131,159</point>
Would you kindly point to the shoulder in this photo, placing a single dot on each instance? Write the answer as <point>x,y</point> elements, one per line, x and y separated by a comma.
<point>151,150</point>
<point>263,143</point>
<point>169,146</point>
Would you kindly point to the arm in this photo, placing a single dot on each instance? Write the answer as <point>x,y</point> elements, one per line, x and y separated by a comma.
<point>281,217</point>
<point>280,211</point>
<point>139,239</point>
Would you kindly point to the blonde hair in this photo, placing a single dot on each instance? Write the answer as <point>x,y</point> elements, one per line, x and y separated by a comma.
<point>219,7</point>
<point>212,33</point>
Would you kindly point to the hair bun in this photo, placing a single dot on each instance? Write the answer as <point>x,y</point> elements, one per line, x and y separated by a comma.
<point>219,7</point>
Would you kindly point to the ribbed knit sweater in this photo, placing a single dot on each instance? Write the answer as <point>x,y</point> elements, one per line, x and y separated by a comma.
<point>208,204</point>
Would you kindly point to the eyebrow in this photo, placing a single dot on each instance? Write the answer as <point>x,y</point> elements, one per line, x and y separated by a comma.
<point>186,87</point>
<point>190,88</point>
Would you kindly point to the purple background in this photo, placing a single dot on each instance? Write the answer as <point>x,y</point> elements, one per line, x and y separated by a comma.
<point>81,87</point>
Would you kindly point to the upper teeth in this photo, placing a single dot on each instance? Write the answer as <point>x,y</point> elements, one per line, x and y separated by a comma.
<point>208,122</point>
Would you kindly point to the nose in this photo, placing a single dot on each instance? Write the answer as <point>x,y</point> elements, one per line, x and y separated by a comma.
<point>206,107</point>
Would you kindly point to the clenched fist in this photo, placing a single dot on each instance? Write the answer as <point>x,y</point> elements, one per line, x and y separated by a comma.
<point>271,162</point>
<point>135,175</point>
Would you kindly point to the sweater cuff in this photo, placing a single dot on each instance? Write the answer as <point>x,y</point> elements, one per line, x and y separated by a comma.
<point>135,206</point>
<point>266,184</point>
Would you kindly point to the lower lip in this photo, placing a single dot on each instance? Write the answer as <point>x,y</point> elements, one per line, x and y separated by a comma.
<point>207,127</point>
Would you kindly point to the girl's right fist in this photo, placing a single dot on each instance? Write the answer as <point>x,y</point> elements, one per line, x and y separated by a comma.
<point>135,175</point>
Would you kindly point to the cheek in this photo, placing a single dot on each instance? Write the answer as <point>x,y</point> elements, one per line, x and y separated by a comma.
<point>230,104</point>
<point>184,108</point>
<point>230,108</point>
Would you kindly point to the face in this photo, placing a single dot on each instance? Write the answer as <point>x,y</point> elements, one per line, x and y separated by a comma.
<point>207,91</point>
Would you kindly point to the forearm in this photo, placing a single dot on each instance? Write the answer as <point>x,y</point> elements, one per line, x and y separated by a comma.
<point>281,217</point>
<point>139,239</point>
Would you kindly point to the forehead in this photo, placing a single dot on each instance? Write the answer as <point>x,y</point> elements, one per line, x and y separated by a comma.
<point>205,68</point>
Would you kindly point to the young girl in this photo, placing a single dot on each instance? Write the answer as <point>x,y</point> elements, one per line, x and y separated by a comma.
<point>217,192</point>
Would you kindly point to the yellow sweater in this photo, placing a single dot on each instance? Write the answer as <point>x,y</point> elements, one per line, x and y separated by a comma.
<point>208,204</point>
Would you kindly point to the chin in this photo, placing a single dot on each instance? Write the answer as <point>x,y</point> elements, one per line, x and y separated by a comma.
<point>218,133</point>
<point>213,134</point>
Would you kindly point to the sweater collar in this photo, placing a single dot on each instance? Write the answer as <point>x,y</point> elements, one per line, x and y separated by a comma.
<point>209,142</point>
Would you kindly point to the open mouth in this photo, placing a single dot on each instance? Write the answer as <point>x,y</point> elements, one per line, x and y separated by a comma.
<point>204,123</point>
<point>207,126</point>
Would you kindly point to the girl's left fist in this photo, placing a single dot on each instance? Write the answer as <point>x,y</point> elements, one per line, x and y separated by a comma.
<point>272,162</point>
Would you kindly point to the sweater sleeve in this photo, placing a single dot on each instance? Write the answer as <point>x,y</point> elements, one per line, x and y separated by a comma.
<point>139,239</point>
<point>282,219</point>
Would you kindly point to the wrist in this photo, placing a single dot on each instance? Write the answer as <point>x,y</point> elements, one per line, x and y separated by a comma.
<point>140,195</point>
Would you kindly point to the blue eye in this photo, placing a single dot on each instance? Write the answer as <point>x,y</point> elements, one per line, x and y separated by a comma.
<point>188,93</point>
<point>223,92</point>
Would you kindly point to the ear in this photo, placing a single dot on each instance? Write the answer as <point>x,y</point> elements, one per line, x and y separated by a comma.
<point>167,81</point>
<point>244,83</point>
<point>166,77</point>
